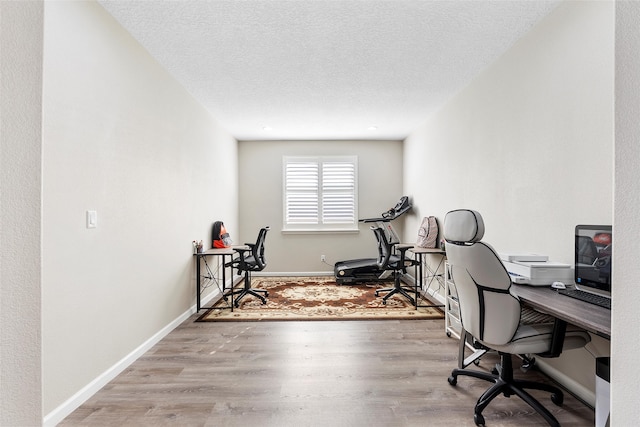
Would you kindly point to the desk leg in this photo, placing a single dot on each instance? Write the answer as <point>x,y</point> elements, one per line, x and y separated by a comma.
<point>432,275</point>
<point>224,277</point>
<point>420,278</point>
<point>198,283</point>
<point>212,276</point>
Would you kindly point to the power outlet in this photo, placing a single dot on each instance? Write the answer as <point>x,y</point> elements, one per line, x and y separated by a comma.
<point>323,258</point>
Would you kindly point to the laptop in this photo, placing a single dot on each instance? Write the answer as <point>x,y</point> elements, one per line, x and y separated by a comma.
<point>592,266</point>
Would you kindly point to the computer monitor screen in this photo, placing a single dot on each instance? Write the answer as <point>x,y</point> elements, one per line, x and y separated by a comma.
<point>593,258</point>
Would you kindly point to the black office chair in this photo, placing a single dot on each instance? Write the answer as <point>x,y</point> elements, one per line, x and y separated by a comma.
<point>494,317</point>
<point>250,258</point>
<point>393,257</point>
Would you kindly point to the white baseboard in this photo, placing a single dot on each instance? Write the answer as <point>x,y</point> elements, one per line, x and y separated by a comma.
<point>577,389</point>
<point>74,402</point>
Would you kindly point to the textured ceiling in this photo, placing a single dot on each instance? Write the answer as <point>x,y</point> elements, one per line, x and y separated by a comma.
<point>325,69</point>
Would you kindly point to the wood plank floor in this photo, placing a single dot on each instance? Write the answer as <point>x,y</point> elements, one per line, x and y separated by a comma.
<point>332,373</point>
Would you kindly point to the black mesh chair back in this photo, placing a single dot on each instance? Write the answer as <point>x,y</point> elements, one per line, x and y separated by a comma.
<point>385,249</point>
<point>253,259</point>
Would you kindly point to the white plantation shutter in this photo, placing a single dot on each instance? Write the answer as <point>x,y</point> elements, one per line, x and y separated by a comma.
<point>320,193</point>
<point>301,195</point>
<point>338,192</point>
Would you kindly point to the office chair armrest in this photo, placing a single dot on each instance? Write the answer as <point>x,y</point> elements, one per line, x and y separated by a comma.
<point>406,262</point>
<point>241,252</point>
<point>557,339</point>
<point>247,247</point>
<point>403,248</point>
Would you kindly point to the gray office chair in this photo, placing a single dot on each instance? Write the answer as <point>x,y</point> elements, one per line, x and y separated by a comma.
<point>492,315</point>
<point>396,262</point>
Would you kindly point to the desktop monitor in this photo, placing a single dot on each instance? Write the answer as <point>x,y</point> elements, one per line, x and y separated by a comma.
<point>593,257</point>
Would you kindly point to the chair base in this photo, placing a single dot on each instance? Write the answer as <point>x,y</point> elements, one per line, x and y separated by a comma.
<point>505,384</point>
<point>248,290</point>
<point>255,292</point>
<point>397,289</point>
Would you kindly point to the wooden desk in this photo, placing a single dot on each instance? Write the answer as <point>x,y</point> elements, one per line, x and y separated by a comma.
<point>579,313</point>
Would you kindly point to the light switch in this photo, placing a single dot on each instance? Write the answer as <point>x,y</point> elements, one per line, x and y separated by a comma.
<point>92,219</point>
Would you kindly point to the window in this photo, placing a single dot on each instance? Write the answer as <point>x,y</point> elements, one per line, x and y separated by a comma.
<point>320,193</point>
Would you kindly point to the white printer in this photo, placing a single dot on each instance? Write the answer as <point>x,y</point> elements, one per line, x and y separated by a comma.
<point>536,270</point>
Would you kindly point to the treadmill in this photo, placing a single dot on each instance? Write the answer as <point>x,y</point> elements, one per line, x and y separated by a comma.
<point>366,269</point>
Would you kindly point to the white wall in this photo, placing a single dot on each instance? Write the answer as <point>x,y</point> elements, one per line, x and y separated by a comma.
<point>260,175</point>
<point>121,137</point>
<point>625,342</point>
<point>529,144</point>
<point>20,209</point>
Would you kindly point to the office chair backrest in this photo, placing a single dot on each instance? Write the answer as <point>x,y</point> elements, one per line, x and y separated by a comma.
<point>384,247</point>
<point>488,310</point>
<point>258,249</point>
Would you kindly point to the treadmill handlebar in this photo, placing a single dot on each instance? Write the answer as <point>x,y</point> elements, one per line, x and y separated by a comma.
<point>375,220</point>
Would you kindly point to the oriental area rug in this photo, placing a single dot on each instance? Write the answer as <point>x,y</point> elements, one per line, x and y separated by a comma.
<point>318,298</point>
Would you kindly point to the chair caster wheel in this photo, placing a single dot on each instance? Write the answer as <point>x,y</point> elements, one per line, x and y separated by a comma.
<point>478,419</point>
<point>448,334</point>
<point>452,380</point>
<point>557,399</point>
<point>527,364</point>
<point>266,294</point>
<point>476,362</point>
<point>384,302</point>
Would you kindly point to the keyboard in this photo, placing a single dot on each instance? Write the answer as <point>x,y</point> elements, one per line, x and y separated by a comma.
<point>598,300</point>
